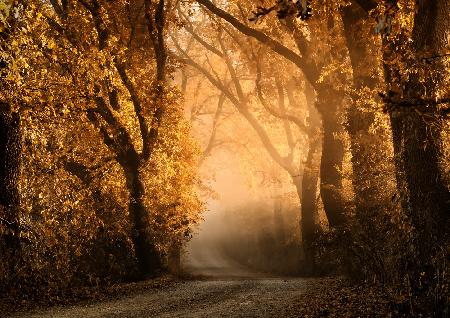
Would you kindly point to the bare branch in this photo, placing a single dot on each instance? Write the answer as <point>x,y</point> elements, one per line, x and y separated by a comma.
<point>212,138</point>
<point>308,69</point>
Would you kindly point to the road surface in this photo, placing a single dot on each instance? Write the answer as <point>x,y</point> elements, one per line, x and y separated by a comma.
<point>210,297</point>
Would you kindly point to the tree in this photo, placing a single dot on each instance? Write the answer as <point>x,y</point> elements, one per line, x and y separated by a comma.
<point>239,96</point>
<point>10,140</point>
<point>328,103</point>
<point>107,63</point>
<point>415,101</point>
<point>102,116</point>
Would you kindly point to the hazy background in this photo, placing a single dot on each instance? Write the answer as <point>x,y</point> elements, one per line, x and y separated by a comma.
<point>251,223</point>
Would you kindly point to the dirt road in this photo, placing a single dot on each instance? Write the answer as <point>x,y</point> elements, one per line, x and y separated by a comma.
<point>218,297</point>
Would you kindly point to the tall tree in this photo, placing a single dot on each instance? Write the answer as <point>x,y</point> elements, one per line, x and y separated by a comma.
<point>118,32</point>
<point>10,140</point>
<point>238,96</point>
<point>369,141</point>
<point>415,74</point>
<point>329,103</point>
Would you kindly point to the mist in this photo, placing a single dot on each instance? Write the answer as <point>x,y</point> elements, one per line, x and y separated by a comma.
<point>247,230</point>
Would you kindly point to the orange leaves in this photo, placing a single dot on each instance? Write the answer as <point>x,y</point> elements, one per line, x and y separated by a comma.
<point>5,10</point>
<point>170,179</point>
<point>77,110</point>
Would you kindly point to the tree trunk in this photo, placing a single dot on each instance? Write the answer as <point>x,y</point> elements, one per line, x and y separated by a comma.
<point>278,220</point>
<point>418,146</point>
<point>332,156</point>
<point>174,258</point>
<point>10,154</point>
<point>416,131</point>
<point>368,154</point>
<point>307,192</point>
<point>146,253</point>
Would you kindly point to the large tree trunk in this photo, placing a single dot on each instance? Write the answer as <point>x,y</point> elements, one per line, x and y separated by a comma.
<point>416,131</point>
<point>414,111</point>
<point>425,199</point>
<point>148,258</point>
<point>368,154</point>
<point>418,149</point>
<point>328,102</point>
<point>10,154</point>
<point>307,186</point>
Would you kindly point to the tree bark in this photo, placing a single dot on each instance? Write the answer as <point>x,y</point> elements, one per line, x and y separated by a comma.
<point>418,146</point>
<point>417,141</point>
<point>328,104</point>
<point>149,260</point>
<point>368,155</point>
<point>10,158</point>
<point>416,131</point>
<point>10,155</point>
<point>174,258</point>
<point>278,218</point>
<point>307,192</point>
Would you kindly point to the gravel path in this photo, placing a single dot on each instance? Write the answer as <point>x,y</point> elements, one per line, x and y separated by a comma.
<point>219,297</point>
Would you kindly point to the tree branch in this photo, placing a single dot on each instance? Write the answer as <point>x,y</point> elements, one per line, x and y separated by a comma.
<point>241,106</point>
<point>189,27</point>
<point>212,138</point>
<point>272,111</point>
<point>143,127</point>
<point>309,70</point>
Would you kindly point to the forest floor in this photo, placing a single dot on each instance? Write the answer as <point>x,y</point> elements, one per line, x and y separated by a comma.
<point>229,296</point>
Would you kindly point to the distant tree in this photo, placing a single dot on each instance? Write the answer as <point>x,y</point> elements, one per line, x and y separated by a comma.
<point>240,97</point>
<point>329,103</point>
